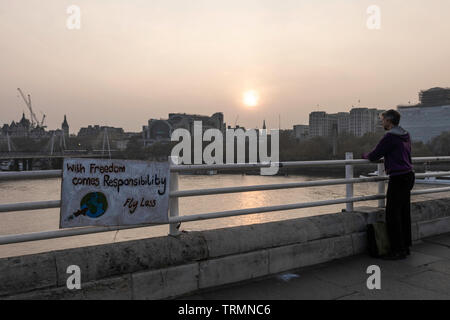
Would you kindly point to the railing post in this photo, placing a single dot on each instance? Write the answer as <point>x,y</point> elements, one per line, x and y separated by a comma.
<point>173,202</point>
<point>349,186</point>
<point>381,185</point>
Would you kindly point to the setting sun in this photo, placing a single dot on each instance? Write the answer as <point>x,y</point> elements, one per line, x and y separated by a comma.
<point>251,98</point>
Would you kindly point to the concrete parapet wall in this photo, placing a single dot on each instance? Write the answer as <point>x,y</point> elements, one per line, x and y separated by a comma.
<point>165,267</point>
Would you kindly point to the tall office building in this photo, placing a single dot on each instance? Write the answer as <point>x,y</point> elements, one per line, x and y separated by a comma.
<point>343,122</point>
<point>322,124</point>
<point>332,124</point>
<point>375,122</point>
<point>435,97</point>
<point>364,120</point>
<point>430,117</point>
<point>358,122</point>
<point>318,124</point>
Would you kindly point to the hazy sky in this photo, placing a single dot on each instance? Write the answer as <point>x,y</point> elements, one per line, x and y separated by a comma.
<point>138,59</point>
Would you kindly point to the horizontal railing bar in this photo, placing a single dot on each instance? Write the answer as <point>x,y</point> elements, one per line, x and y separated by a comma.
<point>223,214</point>
<point>282,207</point>
<point>252,166</point>
<point>291,164</point>
<point>214,215</point>
<point>35,236</point>
<point>25,206</point>
<point>303,184</point>
<point>41,174</point>
<point>37,174</point>
<point>426,159</point>
<point>225,166</point>
<point>432,174</point>
<point>426,191</point>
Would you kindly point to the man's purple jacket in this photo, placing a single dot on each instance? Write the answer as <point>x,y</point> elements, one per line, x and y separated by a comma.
<point>395,147</point>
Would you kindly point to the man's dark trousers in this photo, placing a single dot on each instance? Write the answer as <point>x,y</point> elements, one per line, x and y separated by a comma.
<point>398,211</point>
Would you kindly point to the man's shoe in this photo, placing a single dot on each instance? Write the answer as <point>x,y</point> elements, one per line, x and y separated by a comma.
<point>394,256</point>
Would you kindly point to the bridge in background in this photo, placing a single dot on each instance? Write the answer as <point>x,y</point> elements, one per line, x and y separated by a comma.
<point>23,161</point>
<point>55,150</point>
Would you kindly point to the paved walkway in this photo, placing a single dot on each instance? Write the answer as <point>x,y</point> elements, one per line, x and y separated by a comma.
<point>424,275</point>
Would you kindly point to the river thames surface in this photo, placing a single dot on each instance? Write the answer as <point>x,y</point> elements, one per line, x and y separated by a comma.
<point>50,189</point>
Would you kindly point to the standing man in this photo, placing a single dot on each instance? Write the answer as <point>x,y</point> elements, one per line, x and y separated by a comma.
<point>395,147</point>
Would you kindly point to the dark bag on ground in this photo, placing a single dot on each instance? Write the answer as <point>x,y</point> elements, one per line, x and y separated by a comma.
<point>377,239</point>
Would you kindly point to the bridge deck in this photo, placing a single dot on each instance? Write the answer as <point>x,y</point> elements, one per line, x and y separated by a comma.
<point>424,275</point>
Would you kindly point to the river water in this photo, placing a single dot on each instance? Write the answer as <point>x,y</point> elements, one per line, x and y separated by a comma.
<point>50,189</point>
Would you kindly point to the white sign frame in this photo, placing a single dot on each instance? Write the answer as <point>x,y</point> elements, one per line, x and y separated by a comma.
<point>100,192</point>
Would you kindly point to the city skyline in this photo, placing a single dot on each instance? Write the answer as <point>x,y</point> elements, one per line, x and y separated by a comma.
<point>132,61</point>
<point>308,121</point>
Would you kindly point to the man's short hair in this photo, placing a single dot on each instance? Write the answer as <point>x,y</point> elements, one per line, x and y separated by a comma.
<point>393,116</point>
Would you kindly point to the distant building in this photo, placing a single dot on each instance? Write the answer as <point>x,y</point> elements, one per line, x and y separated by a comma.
<point>430,117</point>
<point>301,131</point>
<point>358,122</point>
<point>364,120</point>
<point>435,97</point>
<point>56,133</point>
<point>24,128</point>
<point>38,132</point>
<point>287,132</point>
<point>343,122</point>
<point>65,127</point>
<point>161,130</point>
<point>322,124</point>
<point>375,121</point>
<point>186,121</point>
<point>318,124</point>
<point>425,123</point>
<point>332,124</point>
<point>17,129</point>
<point>157,130</point>
<point>95,130</point>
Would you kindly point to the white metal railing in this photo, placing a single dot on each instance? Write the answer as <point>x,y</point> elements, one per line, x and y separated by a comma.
<point>175,194</point>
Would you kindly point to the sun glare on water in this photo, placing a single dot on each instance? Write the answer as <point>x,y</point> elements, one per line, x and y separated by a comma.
<point>251,98</point>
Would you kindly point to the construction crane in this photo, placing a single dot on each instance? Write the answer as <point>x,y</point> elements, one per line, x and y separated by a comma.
<point>28,103</point>
<point>41,124</point>
<point>34,121</point>
<point>34,118</point>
